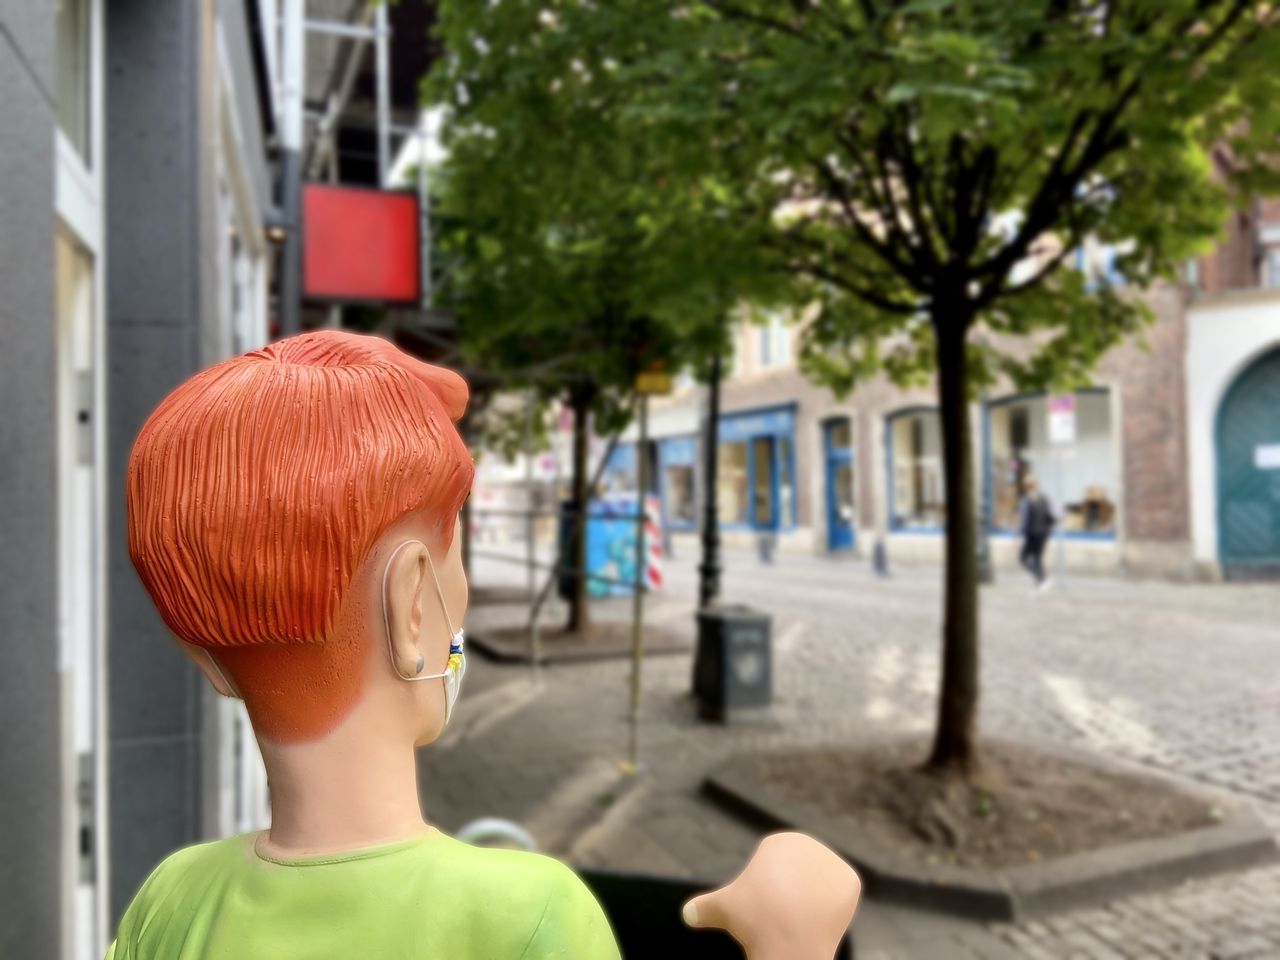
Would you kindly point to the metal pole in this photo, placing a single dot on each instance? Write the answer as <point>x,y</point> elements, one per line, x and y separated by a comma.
<point>424,214</point>
<point>710,568</point>
<point>637,604</point>
<point>383,71</point>
<point>293,72</point>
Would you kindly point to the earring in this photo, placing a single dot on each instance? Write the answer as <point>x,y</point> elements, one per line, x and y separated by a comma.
<point>422,663</point>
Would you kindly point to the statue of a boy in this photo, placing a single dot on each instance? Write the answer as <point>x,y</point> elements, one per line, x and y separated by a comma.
<point>293,513</point>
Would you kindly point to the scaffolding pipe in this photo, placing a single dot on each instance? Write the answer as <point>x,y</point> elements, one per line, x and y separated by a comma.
<point>382,49</point>
<point>293,37</point>
<point>338,99</point>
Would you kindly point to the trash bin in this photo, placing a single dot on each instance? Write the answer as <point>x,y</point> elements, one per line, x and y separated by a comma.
<point>733,665</point>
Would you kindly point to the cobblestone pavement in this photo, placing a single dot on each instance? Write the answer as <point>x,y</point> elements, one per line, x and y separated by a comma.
<point>1180,678</point>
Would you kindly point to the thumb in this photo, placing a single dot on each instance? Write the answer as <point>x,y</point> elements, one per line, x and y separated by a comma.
<point>706,911</point>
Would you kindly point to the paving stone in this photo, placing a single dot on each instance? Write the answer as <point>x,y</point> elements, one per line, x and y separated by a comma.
<point>1181,679</point>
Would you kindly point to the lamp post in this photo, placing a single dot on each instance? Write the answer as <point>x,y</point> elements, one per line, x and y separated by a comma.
<point>710,568</point>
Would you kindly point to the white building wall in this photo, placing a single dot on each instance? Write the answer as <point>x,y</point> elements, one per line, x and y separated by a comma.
<point>1224,335</point>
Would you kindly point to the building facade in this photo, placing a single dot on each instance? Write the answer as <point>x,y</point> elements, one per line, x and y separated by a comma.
<point>140,231</point>
<point>1169,464</point>
<point>134,188</point>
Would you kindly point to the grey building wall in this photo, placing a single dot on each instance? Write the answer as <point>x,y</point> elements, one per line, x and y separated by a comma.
<point>30,704</point>
<point>156,281</point>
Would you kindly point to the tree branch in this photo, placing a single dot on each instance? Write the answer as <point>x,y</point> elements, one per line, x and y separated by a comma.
<point>819,272</point>
<point>878,247</point>
<point>732,11</point>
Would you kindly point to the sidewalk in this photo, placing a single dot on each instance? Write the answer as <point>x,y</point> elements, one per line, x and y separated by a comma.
<point>1181,678</point>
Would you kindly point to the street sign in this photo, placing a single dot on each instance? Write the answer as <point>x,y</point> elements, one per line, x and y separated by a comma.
<point>1062,419</point>
<point>653,383</point>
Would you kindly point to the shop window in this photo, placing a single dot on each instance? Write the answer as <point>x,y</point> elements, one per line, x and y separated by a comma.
<point>1077,477</point>
<point>677,456</point>
<point>762,502</point>
<point>73,90</point>
<point>756,486</point>
<point>786,484</point>
<point>731,483</point>
<point>839,434</point>
<point>678,489</point>
<point>1271,268</point>
<point>915,457</point>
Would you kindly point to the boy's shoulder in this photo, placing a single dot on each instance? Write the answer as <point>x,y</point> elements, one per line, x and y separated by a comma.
<point>490,865</point>
<point>203,856</point>
<point>564,917</point>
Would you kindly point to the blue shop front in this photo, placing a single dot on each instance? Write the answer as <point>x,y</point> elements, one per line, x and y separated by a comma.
<point>756,488</point>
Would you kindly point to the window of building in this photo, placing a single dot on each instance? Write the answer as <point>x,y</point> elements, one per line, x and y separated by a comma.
<point>756,486</point>
<point>775,341</point>
<point>73,89</point>
<point>678,489</point>
<point>786,485</point>
<point>763,505</point>
<point>679,493</point>
<point>731,483</point>
<point>1271,268</point>
<point>916,477</point>
<point>1078,477</point>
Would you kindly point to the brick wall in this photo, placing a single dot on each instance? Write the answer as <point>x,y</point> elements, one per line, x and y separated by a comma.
<point>1234,264</point>
<point>1153,423</point>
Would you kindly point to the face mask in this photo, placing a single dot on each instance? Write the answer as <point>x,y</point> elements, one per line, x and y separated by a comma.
<point>457,665</point>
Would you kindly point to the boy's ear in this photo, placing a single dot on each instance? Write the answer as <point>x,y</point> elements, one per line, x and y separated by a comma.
<point>405,582</point>
<point>211,669</point>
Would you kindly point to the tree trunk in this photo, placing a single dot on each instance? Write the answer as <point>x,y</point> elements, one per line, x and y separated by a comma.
<point>579,613</point>
<point>953,745</point>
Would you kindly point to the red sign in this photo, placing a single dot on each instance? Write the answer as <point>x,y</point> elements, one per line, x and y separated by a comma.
<point>359,244</point>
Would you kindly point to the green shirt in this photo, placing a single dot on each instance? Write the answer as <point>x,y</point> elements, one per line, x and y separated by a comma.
<point>430,897</point>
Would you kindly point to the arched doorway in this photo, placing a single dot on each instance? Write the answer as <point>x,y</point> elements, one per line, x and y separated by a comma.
<point>1248,454</point>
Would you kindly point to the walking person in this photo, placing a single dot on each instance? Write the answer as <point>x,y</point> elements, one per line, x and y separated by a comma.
<point>1036,522</point>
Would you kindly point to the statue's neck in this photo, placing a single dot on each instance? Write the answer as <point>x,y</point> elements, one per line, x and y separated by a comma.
<point>348,790</point>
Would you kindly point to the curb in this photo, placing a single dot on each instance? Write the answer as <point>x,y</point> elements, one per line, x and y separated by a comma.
<point>513,653</point>
<point>1013,893</point>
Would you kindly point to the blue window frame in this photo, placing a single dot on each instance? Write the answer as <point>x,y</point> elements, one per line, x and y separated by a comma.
<point>756,482</point>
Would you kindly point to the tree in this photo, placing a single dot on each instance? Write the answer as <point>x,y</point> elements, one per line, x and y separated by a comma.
<point>934,164</point>
<point>571,265</point>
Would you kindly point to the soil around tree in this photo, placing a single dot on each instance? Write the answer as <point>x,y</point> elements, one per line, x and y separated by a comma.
<point>1022,806</point>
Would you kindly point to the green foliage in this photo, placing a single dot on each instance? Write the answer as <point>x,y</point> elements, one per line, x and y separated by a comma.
<point>577,252</point>
<point>926,153</point>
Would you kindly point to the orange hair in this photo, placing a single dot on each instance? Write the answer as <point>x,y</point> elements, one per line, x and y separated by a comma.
<point>257,488</point>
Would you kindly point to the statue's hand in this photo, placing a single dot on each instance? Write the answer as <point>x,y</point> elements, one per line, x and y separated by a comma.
<point>794,900</point>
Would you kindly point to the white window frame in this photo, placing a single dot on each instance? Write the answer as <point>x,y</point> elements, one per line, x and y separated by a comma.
<point>79,208</point>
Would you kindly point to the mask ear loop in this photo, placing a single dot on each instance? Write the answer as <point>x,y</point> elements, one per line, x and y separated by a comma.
<point>386,622</point>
